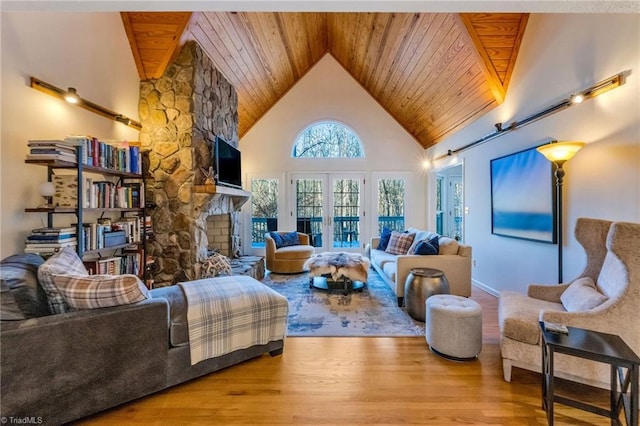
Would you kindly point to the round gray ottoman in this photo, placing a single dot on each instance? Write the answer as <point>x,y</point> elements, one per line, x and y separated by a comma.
<point>453,326</point>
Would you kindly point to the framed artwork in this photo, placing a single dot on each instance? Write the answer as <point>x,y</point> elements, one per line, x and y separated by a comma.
<point>523,197</point>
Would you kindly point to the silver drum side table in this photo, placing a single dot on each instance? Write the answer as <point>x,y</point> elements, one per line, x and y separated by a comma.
<point>419,285</point>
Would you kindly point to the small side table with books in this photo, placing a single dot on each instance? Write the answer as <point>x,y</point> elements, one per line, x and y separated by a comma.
<point>596,346</point>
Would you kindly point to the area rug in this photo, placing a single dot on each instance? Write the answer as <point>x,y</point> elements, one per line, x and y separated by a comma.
<point>314,312</point>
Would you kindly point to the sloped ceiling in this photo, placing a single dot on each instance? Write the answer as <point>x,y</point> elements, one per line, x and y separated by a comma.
<point>433,72</point>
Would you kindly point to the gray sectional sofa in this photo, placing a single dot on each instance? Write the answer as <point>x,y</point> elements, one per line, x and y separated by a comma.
<point>56,368</point>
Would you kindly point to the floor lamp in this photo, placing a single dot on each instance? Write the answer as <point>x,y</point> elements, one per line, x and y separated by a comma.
<point>559,153</point>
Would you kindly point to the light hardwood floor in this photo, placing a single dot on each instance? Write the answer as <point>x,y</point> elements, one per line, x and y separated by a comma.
<point>366,380</point>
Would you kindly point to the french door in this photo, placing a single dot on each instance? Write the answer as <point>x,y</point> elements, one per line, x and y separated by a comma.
<point>329,208</point>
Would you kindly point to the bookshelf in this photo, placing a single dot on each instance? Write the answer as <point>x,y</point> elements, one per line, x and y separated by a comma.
<point>106,185</point>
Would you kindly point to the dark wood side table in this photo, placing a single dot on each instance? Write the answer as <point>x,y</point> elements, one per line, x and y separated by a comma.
<point>596,346</point>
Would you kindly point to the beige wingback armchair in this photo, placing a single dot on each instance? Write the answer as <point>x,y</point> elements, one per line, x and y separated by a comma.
<point>290,259</point>
<point>613,262</point>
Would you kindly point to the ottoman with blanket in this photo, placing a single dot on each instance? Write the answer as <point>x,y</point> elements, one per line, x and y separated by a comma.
<point>127,342</point>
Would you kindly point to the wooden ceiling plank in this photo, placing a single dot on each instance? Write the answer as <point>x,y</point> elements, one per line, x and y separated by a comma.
<point>458,69</point>
<point>133,43</point>
<point>472,115</point>
<point>269,52</point>
<point>303,41</point>
<point>457,105</point>
<point>363,62</point>
<point>387,53</point>
<point>296,31</point>
<point>467,21</point>
<point>442,94</point>
<point>375,63</point>
<point>275,52</point>
<point>235,60</point>
<point>237,33</point>
<point>154,17</point>
<point>398,33</point>
<point>406,60</point>
<point>441,42</point>
<point>405,87</point>
<point>524,18</point>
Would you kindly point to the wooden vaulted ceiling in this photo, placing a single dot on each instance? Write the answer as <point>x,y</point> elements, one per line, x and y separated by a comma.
<point>433,72</point>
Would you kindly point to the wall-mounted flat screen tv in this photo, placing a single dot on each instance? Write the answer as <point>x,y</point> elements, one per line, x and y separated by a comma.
<point>227,163</point>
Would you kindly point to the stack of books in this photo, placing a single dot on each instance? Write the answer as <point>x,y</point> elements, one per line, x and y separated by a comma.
<point>52,150</point>
<point>50,240</point>
<point>115,155</point>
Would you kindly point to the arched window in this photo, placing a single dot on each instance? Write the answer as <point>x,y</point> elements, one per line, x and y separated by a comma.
<point>328,139</point>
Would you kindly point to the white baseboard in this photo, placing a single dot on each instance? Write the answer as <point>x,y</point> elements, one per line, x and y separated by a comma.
<point>485,287</point>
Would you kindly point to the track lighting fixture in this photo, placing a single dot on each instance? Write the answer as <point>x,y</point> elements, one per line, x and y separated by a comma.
<point>71,96</point>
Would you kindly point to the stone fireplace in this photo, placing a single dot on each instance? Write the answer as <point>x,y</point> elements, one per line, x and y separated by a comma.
<point>181,113</point>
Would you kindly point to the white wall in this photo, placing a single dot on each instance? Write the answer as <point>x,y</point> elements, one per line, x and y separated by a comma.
<point>88,51</point>
<point>328,92</point>
<point>560,54</point>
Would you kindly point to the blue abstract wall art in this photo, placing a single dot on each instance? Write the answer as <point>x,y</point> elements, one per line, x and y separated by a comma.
<point>523,197</point>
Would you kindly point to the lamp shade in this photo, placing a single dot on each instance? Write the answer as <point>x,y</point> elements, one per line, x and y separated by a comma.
<point>559,152</point>
<point>47,189</point>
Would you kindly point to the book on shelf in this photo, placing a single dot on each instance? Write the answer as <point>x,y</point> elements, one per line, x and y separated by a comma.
<point>106,266</point>
<point>47,248</point>
<point>54,230</point>
<point>52,150</point>
<point>42,250</point>
<point>46,239</point>
<point>61,157</point>
<point>48,142</point>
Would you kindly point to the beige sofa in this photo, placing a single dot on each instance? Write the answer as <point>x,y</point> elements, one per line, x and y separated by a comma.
<point>454,260</point>
<point>613,263</point>
<point>287,260</point>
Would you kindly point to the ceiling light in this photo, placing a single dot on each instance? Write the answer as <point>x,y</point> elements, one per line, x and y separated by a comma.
<point>71,96</point>
<point>577,99</point>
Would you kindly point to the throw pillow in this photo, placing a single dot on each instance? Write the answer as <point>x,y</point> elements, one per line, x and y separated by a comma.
<point>384,238</point>
<point>290,239</point>
<point>276,238</point>
<point>582,295</point>
<point>66,261</point>
<point>448,245</point>
<point>19,272</point>
<point>399,242</point>
<point>9,309</point>
<point>427,247</point>
<point>100,291</point>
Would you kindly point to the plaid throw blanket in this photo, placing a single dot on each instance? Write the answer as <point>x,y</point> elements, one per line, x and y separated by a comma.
<point>225,314</point>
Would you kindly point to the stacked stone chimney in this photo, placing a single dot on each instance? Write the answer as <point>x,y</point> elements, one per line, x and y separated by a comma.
<point>181,114</point>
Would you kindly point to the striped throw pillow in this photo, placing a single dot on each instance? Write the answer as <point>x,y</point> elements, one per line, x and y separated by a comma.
<point>100,291</point>
<point>399,242</point>
<point>66,261</point>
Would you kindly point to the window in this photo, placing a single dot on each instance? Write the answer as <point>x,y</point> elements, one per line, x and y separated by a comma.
<point>390,204</point>
<point>264,209</point>
<point>327,140</point>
